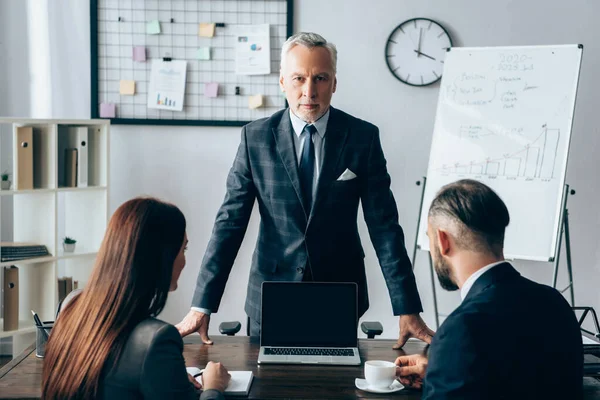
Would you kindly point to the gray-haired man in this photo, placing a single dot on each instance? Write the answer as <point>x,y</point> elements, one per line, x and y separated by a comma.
<point>308,167</point>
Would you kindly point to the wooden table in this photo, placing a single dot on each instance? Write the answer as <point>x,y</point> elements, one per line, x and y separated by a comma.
<point>21,378</point>
<point>300,381</point>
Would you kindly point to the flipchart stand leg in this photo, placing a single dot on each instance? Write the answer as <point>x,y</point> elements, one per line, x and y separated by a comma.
<point>414,257</point>
<point>415,247</point>
<point>564,229</point>
<point>569,265</point>
<point>435,304</point>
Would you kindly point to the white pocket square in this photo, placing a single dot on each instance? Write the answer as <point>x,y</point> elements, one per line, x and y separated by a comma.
<point>347,175</point>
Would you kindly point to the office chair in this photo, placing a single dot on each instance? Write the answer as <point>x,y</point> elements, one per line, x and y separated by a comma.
<point>371,328</point>
<point>230,328</point>
<point>591,366</point>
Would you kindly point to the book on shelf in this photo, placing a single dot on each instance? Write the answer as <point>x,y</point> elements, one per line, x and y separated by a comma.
<point>11,298</point>
<point>12,251</point>
<point>70,167</point>
<point>24,158</point>
<point>65,286</point>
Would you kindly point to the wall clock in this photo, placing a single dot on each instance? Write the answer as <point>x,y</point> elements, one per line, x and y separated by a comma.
<point>415,51</point>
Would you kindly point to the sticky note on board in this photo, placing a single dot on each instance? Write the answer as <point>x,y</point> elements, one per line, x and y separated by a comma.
<point>127,87</point>
<point>206,30</point>
<point>153,27</point>
<point>204,53</point>
<point>255,101</point>
<point>211,89</point>
<point>107,110</point>
<point>139,53</point>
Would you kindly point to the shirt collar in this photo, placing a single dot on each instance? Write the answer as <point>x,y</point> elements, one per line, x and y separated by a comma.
<point>464,291</point>
<point>299,124</point>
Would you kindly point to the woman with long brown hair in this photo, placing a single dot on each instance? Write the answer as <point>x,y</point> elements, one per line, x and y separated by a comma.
<point>106,344</point>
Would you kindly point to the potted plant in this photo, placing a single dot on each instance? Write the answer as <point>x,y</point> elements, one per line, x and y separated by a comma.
<point>4,183</point>
<point>69,244</point>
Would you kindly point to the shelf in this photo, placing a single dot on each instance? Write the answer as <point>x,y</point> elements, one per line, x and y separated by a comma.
<point>78,189</point>
<point>24,327</point>
<point>35,260</point>
<point>79,252</point>
<point>48,211</point>
<point>62,189</point>
<point>29,191</point>
<point>29,121</point>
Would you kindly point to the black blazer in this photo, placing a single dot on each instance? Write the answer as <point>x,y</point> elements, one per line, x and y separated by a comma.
<point>291,238</point>
<point>151,366</point>
<point>511,338</point>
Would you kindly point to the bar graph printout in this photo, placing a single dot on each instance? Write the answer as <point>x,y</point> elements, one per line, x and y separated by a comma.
<point>167,85</point>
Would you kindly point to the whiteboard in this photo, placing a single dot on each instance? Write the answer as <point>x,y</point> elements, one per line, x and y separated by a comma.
<point>504,118</point>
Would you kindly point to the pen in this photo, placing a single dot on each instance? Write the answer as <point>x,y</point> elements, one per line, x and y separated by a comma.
<point>36,319</point>
<point>39,324</point>
<point>199,373</point>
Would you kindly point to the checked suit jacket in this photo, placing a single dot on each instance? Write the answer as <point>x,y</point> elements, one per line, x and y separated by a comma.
<point>292,239</point>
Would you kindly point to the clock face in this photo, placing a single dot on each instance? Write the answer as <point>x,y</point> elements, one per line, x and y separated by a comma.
<point>415,51</point>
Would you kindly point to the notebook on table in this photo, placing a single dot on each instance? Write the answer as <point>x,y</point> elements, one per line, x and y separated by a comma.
<point>239,385</point>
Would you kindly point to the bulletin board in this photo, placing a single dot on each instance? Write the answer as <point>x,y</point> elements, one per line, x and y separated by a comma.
<point>119,26</point>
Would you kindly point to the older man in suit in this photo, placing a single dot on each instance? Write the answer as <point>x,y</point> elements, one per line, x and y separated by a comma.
<point>308,167</point>
<point>510,338</point>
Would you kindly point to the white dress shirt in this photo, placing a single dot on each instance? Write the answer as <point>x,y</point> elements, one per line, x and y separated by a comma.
<point>474,276</point>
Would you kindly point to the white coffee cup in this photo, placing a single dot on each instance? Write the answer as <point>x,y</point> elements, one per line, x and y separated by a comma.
<point>380,374</point>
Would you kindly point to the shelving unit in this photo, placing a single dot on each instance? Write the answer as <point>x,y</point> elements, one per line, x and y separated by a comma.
<point>50,211</point>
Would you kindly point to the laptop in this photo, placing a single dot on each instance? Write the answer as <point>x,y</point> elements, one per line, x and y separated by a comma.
<point>309,323</point>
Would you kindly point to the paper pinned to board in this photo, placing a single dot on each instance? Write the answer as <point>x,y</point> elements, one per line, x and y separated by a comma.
<point>255,101</point>
<point>153,27</point>
<point>107,110</point>
<point>127,87</point>
<point>252,49</point>
<point>167,85</point>
<point>206,30</point>
<point>139,53</point>
<point>203,53</point>
<point>211,89</point>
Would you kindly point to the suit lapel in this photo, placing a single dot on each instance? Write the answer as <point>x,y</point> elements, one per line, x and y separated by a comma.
<point>335,139</point>
<point>287,151</point>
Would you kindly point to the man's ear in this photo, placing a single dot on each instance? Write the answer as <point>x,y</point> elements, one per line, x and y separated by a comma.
<point>443,240</point>
<point>281,81</point>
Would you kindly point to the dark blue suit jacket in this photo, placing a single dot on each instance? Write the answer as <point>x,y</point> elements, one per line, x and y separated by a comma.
<point>511,338</point>
<point>291,238</point>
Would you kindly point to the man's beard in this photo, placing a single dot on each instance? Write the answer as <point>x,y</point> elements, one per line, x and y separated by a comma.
<point>443,271</point>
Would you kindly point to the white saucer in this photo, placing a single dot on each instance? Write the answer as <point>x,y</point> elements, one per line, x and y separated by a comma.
<point>363,385</point>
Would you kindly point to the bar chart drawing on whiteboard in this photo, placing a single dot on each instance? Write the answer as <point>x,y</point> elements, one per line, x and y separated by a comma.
<point>535,160</point>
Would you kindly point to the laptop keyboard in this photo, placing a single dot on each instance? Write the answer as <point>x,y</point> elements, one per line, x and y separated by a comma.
<point>295,351</point>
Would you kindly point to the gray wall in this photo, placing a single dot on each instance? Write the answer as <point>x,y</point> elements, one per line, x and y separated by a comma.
<point>189,165</point>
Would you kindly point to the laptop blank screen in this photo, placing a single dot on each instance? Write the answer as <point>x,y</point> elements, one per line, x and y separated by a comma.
<point>309,314</point>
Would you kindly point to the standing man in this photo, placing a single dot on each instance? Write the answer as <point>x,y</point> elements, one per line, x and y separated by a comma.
<point>308,166</point>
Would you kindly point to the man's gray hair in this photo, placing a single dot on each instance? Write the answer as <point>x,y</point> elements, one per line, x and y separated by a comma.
<point>310,40</point>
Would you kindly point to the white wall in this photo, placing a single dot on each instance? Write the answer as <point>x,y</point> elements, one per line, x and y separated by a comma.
<point>188,166</point>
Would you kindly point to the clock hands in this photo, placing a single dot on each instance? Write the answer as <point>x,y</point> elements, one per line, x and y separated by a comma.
<point>418,50</point>
<point>423,54</point>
